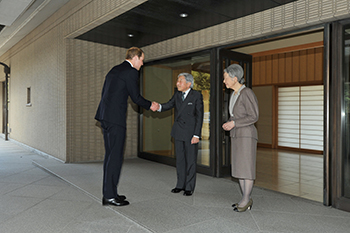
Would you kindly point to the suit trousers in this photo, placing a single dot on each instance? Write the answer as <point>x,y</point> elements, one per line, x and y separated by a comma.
<point>114,140</point>
<point>186,162</point>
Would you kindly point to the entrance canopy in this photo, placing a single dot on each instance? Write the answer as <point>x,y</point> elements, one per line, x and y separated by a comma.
<point>158,20</point>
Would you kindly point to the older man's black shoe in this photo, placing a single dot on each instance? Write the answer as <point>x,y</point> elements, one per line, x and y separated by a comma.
<point>188,193</point>
<point>114,201</point>
<point>176,190</point>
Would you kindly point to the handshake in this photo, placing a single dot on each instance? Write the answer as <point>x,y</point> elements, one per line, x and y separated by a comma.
<point>155,106</point>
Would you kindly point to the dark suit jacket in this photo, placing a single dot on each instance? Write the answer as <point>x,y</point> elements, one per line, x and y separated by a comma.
<point>188,115</point>
<point>121,81</point>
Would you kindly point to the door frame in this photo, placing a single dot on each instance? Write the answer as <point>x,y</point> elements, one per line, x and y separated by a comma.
<point>223,165</point>
<point>216,168</point>
<point>171,161</point>
<point>336,120</point>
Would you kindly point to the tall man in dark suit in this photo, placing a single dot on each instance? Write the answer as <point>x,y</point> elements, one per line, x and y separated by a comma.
<point>186,131</point>
<point>121,82</point>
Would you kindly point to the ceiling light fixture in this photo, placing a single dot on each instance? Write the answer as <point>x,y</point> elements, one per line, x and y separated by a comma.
<point>130,35</point>
<point>183,15</point>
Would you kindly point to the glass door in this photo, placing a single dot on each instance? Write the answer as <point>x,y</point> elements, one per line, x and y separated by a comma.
<point>159,84</point>
<point>227,58</point>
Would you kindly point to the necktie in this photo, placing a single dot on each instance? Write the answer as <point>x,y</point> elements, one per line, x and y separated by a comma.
<point>183,96</point>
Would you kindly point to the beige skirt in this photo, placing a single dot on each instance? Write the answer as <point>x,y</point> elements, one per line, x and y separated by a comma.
<point>243,158</point>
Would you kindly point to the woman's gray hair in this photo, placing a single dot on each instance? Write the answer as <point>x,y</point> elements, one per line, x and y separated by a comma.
<point>188,78</point>
<point>235,70</point>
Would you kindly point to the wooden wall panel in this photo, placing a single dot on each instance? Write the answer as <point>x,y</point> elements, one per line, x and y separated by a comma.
<point>256,71</point>
<point>310,67</point>
<point>262,76</point>
<point>302,66</point>
<point>289,68</point>
<point>281,68</point>
<point>319,64</point>
<point>268,77</point>
<point>275,68</point>
<point>294,67</point>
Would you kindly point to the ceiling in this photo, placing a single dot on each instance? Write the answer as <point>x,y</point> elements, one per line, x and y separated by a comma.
<point>150,22</point>
<point>20,17</point>
<point>159,20</point>
<point>11,9</point>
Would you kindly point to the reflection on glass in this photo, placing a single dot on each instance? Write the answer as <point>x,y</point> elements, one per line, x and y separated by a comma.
<point>202,84</point>
<point>159,84</point>
<point>346,115</point>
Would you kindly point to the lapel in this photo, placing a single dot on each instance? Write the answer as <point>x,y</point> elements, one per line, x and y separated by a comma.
<point>185,102</point>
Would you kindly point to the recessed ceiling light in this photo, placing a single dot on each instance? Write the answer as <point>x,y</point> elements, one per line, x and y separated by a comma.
<point>130,35</point>
<point>183,15</point>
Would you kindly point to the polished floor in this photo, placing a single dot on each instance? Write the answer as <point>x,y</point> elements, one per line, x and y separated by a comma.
<point>41,194</point>
<point>294,173</point>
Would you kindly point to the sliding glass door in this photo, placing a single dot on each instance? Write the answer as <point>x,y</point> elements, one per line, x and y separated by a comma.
<point>159,84</point>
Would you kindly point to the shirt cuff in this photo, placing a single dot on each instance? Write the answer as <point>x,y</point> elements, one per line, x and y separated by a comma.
<point>160,108</point>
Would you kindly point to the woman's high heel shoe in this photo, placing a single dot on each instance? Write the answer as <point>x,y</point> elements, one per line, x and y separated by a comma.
<point>234,205</point>
<point>244,208</point>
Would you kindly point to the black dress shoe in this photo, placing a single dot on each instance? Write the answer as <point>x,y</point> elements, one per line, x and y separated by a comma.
<point>176,190</point>
<point>121,197</point>
<point>114,201</point>
<point>188,193</point>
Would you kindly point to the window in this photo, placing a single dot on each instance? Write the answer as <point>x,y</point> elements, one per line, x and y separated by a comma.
<point>29,102</point>
<point>300,117</point>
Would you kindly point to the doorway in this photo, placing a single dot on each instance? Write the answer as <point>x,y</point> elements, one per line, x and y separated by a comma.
<point>262,73</point>
<point>159,84</point>
<point>288,82</point>
<point>227,58</point>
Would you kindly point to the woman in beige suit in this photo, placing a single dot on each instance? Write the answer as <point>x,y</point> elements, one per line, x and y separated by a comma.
<point>244,112</point>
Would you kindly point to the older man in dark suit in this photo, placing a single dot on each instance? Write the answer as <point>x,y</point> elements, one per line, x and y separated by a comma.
<point>186,131</point>
<point>121,82</point>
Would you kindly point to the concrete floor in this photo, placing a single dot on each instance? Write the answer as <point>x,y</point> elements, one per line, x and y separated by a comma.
<point>41,194</point>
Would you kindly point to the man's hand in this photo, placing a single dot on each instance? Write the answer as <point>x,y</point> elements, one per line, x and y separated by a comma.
<point>228,125</point>
<point>154,106</point>
<point>194,140</point>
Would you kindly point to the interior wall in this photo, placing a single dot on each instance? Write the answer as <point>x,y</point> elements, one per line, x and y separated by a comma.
<point>288,68</point>
<point>282,43</point>
<point>284,68</point>
<point>264,125</point>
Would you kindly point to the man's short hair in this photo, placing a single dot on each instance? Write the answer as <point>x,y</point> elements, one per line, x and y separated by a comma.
<point>188,78</point>
<point>132,52</point>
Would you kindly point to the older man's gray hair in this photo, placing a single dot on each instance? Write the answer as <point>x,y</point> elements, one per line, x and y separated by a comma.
<point>188,78</point>
<point>235,70</point>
